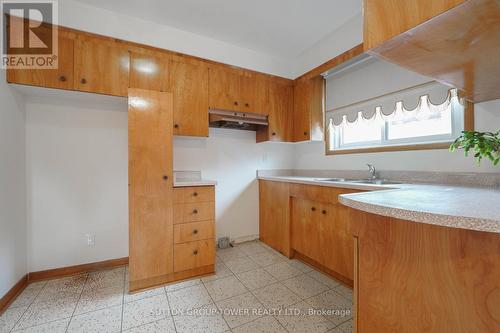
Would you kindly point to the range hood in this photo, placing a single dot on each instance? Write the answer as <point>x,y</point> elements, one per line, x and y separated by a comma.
<point>236,120</point>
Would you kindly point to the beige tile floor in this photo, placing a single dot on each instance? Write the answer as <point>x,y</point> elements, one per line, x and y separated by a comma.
<point>255,289</point>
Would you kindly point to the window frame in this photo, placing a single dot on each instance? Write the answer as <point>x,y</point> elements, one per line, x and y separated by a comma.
<point>468,121</point>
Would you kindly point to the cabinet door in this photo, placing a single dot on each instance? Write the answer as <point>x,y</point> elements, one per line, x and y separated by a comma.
<point>60,78</point>
<point>101,66</point>
<point>336,241</point>
<point>224,89</point>
<point>280,111</point>
<point>150,187</point>
<point>403,14</point>
<point>149,70</point>
<point>274,215</point>
<point>254,93</point>
<point>189,83</point>
<point>301,118</point>
<point>306,219</point>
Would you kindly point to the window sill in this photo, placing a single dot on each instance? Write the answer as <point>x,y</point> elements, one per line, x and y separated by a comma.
<point>422,146</point>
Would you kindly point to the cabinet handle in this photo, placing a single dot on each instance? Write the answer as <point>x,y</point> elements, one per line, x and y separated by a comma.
<point>165,177</point>
<point>324,212</point>
<point>235,103</point>
<point>313,209</point>
<point>274,133</point>
<point>195,252</point>
<point>305,133</point>
<point>176,126</point>
<point>247,105</point>
<point>195,194</point>
<point>195,211</point>
<point>83,81</point>
<point>62,78</point>
<point>195,231</point>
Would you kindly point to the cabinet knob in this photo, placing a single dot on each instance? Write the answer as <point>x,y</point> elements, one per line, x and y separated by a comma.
<point>305,132</point>
<point>313,209</point>
<point>195,252</point>
<point>235,103</point>
<point>195,194</point>
<point>62,78</point>
<point>195,211</point>
<point>274,133</point>
<point>165,177</point>
<point>324,212</point>
<point>195,231</point>
<point>176,126</point>
<point>83,81</point>
<point>247,105</point>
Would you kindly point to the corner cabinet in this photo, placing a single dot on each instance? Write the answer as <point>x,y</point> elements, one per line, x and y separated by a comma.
<point>151,253</point>
<point>308,109</point>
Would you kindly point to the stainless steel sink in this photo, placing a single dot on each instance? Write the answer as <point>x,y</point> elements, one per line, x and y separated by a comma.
<point>359,181</point>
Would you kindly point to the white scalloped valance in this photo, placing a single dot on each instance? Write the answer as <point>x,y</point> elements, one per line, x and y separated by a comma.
<point>428,97</point>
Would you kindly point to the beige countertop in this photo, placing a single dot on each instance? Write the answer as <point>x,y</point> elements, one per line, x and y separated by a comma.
<point>188,183</point>
<point>472,208</point>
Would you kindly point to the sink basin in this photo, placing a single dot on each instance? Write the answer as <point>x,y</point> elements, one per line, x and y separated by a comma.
<point>358,181</point>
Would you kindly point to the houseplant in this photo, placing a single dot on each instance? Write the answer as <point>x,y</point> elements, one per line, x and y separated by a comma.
<point>482,144</point>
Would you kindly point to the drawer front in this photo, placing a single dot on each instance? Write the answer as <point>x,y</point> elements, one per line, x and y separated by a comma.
<point>203,211</point>
<point>194,254</point>
<point>194,231</point>
<point>199,194</point>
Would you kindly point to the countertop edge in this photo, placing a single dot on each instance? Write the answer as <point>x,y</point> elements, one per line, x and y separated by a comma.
<point>195,183</point>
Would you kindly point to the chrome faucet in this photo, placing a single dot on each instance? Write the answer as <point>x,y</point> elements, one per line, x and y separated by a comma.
<point>373,171</point>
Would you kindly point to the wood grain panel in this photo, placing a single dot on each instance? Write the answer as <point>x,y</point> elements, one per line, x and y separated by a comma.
<point>384,19</point>
<point>451,277</point>
<point>199,194</point>
<point>149,70</point>
<point>254,93</point>
<point>200,211</point>
<point>457,48</point>
<point>150,184</point>
<point>101,66</point>
<point>308,111</point>
<point>195,231</point>
<point>194,254</point>
<point>323,194</point>
<point>188,81</point>
<point>224,89</point>
<point>274,215</point>
<point>305,228</point>
<point>60,78</point>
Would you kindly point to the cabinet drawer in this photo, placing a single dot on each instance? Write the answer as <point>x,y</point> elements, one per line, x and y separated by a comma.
<point>203,211</point>
<point>194,254</point>
<point>199,194</point>
<point>195,231</point>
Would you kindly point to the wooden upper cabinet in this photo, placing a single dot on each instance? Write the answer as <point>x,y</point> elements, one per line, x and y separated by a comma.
<point>224,88</point>
<point>385,19</point>
<point>308,110</point>
<point>188,81</point>
<point>238,90</point>
<point>60,78</point>
<point>280,108</point>
<point>149,70</point>
<point>101,66</point>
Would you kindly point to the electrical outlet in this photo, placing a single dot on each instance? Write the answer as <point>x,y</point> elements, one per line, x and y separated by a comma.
<point>90,240</point>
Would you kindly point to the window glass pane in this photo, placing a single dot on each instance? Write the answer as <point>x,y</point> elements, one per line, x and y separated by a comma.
<point>361,131</point>
<point>427,124</point>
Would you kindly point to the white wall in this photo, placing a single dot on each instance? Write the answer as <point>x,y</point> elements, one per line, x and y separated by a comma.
<point>77,179</point>
<point>13,233</point>
<point>311,155</point>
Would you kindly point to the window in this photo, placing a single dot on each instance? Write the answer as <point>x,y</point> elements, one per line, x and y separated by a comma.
<point>425,124</point>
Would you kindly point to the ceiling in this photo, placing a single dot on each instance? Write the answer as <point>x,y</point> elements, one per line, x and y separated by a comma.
<point>281,28</point>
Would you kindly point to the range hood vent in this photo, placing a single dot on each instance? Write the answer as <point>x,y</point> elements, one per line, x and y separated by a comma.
<point>236,120</point>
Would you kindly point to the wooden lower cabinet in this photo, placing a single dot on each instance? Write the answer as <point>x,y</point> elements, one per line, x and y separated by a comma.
<point>194,230</point>
<point>274,222</point>
<point>416,277</point>
<point>308,222</point>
